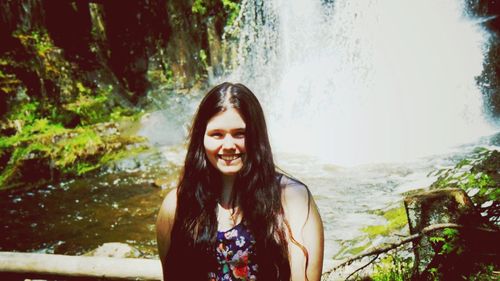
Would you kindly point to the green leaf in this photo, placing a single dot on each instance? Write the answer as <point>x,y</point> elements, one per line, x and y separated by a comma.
<point>436,239</point>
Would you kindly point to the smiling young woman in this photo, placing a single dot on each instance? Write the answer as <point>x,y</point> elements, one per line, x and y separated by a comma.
<point>232,215</point>
<point>224,141</point>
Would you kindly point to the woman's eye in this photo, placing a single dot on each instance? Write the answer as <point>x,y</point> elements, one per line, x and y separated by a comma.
<point>216,135</point>
<point>239,135</point>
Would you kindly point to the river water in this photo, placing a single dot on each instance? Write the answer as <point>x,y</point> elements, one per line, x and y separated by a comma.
<point>120,204</point>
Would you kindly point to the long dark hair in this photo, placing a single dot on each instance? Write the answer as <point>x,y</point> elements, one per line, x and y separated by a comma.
<point>256,189</point>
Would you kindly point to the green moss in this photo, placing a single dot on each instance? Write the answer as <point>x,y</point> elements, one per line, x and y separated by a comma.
<point>346,246</point>
<point>375,230</point>
<point>91,110</point>
<point>396,216</point>
<point>70,151</point>
<point>359,249</point>
<point>396,219</point>
<point>66,151</point>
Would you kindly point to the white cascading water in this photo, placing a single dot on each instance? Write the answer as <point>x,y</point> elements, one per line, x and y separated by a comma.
<point>364,81</point>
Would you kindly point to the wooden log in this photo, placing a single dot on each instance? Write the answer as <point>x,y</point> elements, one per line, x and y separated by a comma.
<point>49,265</point>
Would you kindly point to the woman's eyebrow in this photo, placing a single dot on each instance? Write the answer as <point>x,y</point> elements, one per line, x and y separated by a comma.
<point>219,129</point>
<point>222,129</point>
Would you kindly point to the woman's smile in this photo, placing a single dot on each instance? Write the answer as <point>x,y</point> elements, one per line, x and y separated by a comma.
<point>229,157</point>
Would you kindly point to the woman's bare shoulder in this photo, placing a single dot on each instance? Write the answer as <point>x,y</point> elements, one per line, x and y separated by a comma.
<point>296,200</point>
<point>165,222</point>
<point>169,205</point>
<point>294,191</point>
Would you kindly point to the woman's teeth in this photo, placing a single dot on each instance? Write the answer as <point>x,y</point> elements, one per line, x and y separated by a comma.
<point>229,157</point>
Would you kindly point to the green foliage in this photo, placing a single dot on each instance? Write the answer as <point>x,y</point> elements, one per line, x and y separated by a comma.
<point>486,272</point>
<point>228,11</point>
<point>161,76</point>
<point>448,241</point>
<point>125,114</point>
<point>435,274</point>
<point>25,112</point>
<point>203,58</point>
<point>61,128</point>
<point>8,81</point>
<point>233,10</point>
<point>451,237</point>
<point>90,109</point>
<point>199,7</point>
<point>38,39</point>
<point>436,239</point>
<point>477,175</point>
<point>393,268</point>
<point>46,61</point>
<point>481,272</point>
<point>68,151</point>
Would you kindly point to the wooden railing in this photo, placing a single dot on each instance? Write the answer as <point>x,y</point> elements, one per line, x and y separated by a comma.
<point>49,266</point>
<point>21,266</point>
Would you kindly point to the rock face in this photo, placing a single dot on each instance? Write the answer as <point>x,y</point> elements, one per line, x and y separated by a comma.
<point>449,205</point>
<point>133,42</point>
<point>488,12</point>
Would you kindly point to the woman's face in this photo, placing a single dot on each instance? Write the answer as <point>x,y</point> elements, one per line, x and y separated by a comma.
<point>225,141</point>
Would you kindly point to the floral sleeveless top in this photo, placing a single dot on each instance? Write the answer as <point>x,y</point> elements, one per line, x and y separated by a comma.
<point>235,255</point>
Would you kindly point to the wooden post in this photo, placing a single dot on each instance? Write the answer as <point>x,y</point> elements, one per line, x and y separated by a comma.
<point>448,205</point>
<point>49,265</point>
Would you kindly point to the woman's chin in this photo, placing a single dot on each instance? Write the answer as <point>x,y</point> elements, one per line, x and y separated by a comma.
<point>229,170</point>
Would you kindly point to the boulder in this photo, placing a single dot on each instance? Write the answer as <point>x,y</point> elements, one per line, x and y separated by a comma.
<point>115,250</point>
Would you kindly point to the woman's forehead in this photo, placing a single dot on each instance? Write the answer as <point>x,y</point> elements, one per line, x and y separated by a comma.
<point>227,119</point>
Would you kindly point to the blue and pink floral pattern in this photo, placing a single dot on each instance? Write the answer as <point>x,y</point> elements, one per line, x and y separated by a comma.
<point>235,255</point>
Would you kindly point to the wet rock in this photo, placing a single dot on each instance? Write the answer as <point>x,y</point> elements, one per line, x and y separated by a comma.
<point>127,164</point>
<point>449,205</point>
<point>115,250</point>
<point>162,183</point>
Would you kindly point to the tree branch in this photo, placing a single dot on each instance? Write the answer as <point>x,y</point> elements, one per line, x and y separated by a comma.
<point>379,250</point>
<point>367,264</point>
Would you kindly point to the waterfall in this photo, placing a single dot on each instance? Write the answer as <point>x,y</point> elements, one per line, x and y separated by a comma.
<point>363,81</point>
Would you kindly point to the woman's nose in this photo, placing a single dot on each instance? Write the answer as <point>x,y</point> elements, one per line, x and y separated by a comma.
<point>228,142</point>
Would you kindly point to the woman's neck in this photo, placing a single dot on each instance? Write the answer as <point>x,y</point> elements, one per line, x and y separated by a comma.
<point>227,190</point>
<point>228,214</point>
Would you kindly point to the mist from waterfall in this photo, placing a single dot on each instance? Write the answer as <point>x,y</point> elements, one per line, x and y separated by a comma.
<point>363,81</point>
